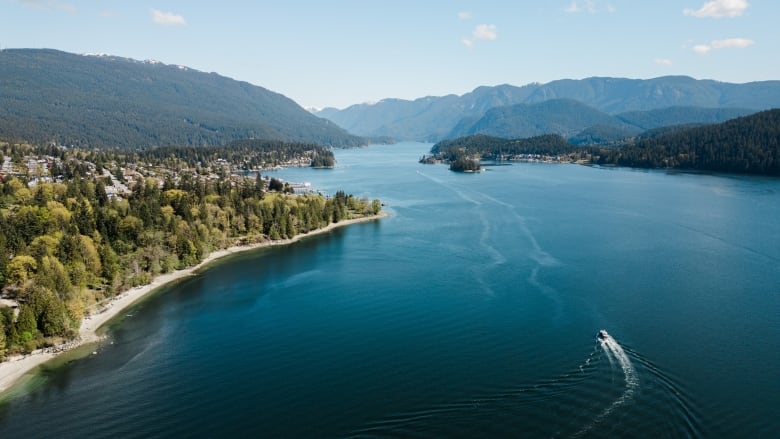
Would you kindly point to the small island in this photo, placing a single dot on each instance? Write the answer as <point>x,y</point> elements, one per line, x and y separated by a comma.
<point>458,160</point>
<point>465,164</point>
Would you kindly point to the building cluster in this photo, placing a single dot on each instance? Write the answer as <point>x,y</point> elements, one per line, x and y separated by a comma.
<point>119,180</point>
<point>536,158</point>
<point>36,169</point>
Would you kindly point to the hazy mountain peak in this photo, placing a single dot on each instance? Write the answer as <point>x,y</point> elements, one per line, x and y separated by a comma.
<point>435,118</point>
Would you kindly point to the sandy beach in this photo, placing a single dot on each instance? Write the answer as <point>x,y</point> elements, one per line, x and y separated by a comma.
<point>16,367</point>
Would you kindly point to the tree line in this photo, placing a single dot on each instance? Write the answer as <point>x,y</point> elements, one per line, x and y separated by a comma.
<point>749,145</point>
<point>489,147</point>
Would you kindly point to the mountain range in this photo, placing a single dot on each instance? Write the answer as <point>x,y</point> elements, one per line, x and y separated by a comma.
<point>102,100</point>
<point>583,124</point>
<point>108,101</point>
<point>600,105</point>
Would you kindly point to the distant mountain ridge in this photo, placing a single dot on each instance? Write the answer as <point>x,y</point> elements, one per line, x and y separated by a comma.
<point>565,117</point>
<point>651,119</point>
<point>429,118</point>
<point>437,118</point>
<point>583,124</point>
<point>102,100</point>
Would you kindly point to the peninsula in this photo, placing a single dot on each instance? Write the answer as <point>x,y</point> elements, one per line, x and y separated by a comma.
<point>86,233</point>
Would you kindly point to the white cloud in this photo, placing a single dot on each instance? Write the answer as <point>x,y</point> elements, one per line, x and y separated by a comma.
<point>465,15</point>
<point>578,6</point>
<point>485,32</point>
<point>482,32</point>
<point>167,18</point>
<point>729,43</point>
<point>50,5</point>
<point>735,43</point>
<point>719,9</point>
<point>665,62</point>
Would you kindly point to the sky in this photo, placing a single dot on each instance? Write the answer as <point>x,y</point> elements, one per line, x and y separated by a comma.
<point>342,52</point>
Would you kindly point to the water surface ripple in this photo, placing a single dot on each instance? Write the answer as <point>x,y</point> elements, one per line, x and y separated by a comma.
<point>470,312</point>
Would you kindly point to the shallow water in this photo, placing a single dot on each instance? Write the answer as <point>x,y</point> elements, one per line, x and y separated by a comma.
<point>470,312</point>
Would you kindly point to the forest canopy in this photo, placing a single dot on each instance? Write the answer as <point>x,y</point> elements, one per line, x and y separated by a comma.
<point>78,227</point>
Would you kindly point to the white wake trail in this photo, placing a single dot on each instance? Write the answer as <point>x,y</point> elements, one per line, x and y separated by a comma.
<point>608,354</point>
<point>632,381</point>
<point>496,257</point>
<point>612,349</point>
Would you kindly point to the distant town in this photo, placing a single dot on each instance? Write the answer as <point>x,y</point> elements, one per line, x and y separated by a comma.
<point>119,178</point>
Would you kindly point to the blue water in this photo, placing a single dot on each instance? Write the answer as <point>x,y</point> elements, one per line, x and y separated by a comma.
<point>470,312</point>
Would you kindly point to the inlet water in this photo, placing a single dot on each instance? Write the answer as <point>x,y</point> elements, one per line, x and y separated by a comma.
<point>470,312</point>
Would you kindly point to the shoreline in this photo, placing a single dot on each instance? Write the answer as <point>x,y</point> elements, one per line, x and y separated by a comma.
<point>15,368</point>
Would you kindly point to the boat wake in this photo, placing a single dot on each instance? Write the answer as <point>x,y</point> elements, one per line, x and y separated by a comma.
<point>615,353</point>
<point>490,232</point>
<point>601,397</point>
<point>495,257</point>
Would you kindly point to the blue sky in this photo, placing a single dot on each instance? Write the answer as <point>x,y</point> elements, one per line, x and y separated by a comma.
<point>341,52</point>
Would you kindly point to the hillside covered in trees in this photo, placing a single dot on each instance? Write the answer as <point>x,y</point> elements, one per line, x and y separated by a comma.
<point>566,117</point>
<point>78,227</point>
<point>749,144</point>
<point>105,101</point>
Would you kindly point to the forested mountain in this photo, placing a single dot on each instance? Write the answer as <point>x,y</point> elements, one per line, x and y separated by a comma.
<point>89,101</point>
<point>665,117</point>
<point>749,144</point>
<point>566,117</point>
<point>582,124</point>
<point>602,135</point>
<point>620,95</point>
<point>434,118</point>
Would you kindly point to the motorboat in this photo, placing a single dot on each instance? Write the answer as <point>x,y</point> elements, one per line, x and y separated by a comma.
<point>602,335</point>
